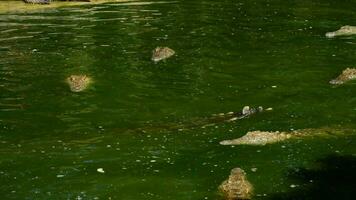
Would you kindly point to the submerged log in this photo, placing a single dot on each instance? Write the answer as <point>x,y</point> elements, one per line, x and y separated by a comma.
<point>236,186</point>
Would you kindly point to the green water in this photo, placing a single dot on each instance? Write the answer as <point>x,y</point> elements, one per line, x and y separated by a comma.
<point>228,54</point>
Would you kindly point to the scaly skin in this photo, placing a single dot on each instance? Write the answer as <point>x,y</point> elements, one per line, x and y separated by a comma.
<point>199,122</point>
<point>347,75</point>
<point>260,138</point>
<point>162,53</point>
<point>343,31</point>
<point>49,1</point>
<point>236,186</point>
<point>78,83</point>
<point>37,1</point>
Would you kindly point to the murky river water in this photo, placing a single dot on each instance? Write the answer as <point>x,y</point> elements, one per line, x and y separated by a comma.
<point>228,54</point>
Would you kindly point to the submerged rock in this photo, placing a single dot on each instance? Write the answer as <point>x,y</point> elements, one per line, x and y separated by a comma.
<point>258,138</point>
<point>78,83</point>
<point>162,53</point>
<point>343,31</point>
<point>347,75</point>
<point>236,186</point>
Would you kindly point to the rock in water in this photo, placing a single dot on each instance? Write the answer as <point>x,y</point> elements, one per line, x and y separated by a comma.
<point>162,53</point>
<point>258,138</point>
<point>343,31</point>
<point>38,1</point>
<point>346,75</point>
<point>236,186</point>
<point>78,83</point>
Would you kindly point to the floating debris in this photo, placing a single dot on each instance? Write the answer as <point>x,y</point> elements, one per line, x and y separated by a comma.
<point>162,53</point>
<point>343,31</point>
<point>236,186</point>
<point>78,83</point>
<point>347,75</point>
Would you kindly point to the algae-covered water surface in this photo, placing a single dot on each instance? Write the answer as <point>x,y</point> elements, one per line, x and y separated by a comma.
<point>146,130</point>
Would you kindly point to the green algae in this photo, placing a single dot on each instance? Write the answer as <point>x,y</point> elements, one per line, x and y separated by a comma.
<point>228,56</point>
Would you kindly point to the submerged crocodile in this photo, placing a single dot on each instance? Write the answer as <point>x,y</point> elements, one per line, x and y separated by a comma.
<point>347,75</point>
<point>260,138</point>
<point>38,1</point>
<point>343,31</point>
<point>49,1</point>
<point>200,122</point>
<point>162,53</point>
<point>78,83</point>
<point>236,186</point>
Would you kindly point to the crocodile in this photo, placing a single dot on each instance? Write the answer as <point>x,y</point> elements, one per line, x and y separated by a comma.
<point>236,186</point>
<point>78,83</point>
<point>49,1</point>
<point>343,31</point>
<point>261,138</point>
<point>347,75</point>
<point>38,1</point>
<point>161,53</point>
<point>213,120</point>
<point>258,138</point>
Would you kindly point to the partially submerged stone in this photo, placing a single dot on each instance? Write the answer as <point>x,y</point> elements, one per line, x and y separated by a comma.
<point>78,83</point>
<point>236,186</point>
<point>258,138</point>
<point>346,75</point>
<point>343,31</point>
<point>162,53</point>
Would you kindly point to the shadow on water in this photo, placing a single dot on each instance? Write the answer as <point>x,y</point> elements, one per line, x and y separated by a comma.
<point>334,178</point>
